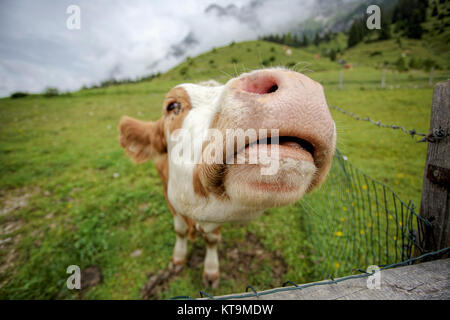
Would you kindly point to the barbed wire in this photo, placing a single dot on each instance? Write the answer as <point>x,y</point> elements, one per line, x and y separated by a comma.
<point>364,274</point>
<point>412,132</point>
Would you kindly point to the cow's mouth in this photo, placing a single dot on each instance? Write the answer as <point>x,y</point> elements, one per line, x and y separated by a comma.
<point>287,141</point>
<point>280,178</point>
<point>287,147</point>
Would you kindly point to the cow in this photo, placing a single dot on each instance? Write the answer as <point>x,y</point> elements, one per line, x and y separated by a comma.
<point>203,195</point>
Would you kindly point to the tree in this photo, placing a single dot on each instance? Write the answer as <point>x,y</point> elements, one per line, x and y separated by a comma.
<point>385,32</point>
<point>317,39</point>
<point>414,29</point>
<point>357,32</point>
<point>333,55</point>
<point>287,39</point>
<point>305,41</point>
<point>295,42</point>
<point>408,15</point>
<point>435,10</point>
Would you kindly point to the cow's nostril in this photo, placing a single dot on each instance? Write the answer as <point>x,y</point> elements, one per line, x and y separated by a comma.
<point>273,88</point>
<point>260,85</point>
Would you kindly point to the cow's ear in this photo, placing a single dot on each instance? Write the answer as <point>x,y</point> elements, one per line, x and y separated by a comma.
<point>142,140</point>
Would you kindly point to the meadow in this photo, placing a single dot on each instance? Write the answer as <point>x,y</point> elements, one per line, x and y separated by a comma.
<point>69,195</point>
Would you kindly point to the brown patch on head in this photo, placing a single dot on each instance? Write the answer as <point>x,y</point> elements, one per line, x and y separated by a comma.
<point>175,108</point>
<point>143,140</point>
<point>209,177</point>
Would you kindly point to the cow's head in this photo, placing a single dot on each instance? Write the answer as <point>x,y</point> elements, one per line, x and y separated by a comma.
<point>206,186</point>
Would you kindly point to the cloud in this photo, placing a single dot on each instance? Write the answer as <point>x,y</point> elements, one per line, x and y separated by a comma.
<point>124,39</point>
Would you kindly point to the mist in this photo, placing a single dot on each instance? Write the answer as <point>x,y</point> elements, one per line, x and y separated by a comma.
<point>124,39</point>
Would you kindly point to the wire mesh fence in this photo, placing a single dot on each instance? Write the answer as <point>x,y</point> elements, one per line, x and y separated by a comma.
<point>356,221</point>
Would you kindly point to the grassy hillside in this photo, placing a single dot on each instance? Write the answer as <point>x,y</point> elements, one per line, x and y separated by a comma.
<point>381,53</point>
<point>70,196</point>
<point>226,62</point>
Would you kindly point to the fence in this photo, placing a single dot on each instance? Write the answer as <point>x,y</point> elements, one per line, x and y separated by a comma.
<point>384,79</point>
<point>356,221</point>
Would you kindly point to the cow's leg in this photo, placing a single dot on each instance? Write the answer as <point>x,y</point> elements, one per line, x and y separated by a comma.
<point>180,249</point>
<point>211,266</point>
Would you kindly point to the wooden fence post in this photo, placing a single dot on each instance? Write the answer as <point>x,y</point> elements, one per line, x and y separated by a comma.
<point>436,183</point>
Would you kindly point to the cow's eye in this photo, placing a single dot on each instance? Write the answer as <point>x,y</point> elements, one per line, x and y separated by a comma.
<point>173,106</point>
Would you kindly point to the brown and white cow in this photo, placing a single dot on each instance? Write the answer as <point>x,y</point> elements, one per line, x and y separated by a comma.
<point>203,195</point>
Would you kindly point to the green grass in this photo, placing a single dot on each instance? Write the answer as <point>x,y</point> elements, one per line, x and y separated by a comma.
<point>388,52</point>
<point>89,205</point>
<point>226,62</point>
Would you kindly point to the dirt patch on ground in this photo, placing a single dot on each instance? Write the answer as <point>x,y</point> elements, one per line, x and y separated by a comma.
<point>249,256</point>
<point>157,283</point>
<point>11,200</point>
<point>8,258</point>
<point>8,254</point>
<point>9,227</point>
<point>239,261</point>
<point>90,277</point>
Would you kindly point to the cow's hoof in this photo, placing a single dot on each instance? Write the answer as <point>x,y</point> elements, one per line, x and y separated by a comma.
<point>175,268</point>
<point>211,280</point>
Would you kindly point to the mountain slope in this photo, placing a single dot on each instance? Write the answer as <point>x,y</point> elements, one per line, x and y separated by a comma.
<point>338,15</point>
<point>222,63</point>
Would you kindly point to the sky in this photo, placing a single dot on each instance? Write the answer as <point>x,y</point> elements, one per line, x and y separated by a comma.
<point>124,39</point>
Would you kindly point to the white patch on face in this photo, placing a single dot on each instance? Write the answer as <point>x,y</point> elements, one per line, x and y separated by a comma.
<point>205,103</point>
